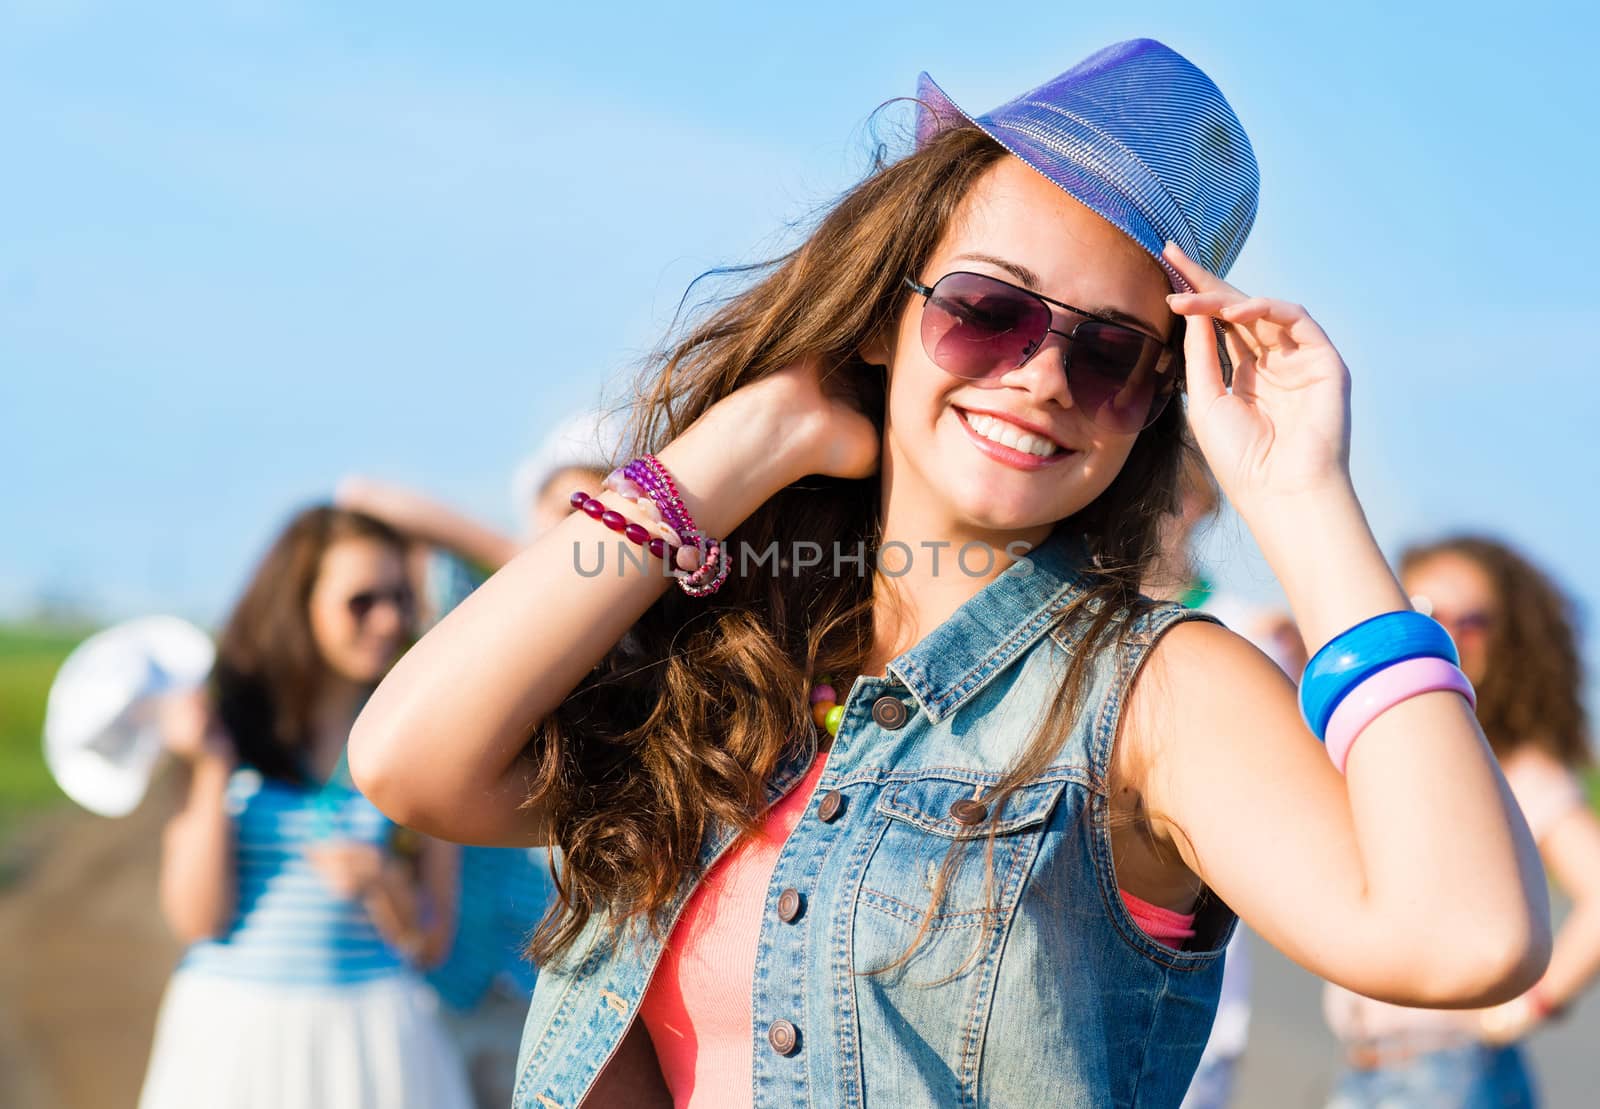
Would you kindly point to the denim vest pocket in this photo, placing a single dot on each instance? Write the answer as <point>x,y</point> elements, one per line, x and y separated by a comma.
<point>925,818</point>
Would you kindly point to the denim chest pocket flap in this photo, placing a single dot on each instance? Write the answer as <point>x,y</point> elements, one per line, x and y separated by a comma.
<point>956,808</point>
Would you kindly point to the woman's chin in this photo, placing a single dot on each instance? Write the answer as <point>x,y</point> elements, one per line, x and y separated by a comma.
<point>1018,521</point>
<point>361,672</point>
<point>994,509</point>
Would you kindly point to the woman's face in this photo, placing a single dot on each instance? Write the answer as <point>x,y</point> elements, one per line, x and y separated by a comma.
<point>1462,598</point>
<point>940,430</point>
<point>361,609</point>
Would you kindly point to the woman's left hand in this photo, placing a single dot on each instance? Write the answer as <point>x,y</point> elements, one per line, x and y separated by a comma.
<point>1508,1022</point>
<point>1284,428</point>
<point>351,868</point>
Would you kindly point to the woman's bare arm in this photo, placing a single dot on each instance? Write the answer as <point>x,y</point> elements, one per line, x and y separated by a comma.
<point>413,907</point>
<point>1413,879</point>
<point>1572,850</point>
<point>197,867</point>
<point>438,745</point>
<point>197,891</point>
<point>439,882</point>
<point>429,521</point>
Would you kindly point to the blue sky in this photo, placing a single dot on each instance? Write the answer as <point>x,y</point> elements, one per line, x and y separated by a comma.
<point>248,247</point>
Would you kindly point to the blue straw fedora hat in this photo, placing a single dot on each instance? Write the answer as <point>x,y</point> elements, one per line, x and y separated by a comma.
<point>1142,137</point>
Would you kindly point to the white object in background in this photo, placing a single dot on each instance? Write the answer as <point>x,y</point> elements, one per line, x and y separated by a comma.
<point>102,738</point>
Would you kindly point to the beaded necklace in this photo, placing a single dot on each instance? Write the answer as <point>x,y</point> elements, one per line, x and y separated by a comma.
<point>826,711</point>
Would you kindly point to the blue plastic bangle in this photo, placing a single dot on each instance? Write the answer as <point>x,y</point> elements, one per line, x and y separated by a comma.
<point>1353,656</point>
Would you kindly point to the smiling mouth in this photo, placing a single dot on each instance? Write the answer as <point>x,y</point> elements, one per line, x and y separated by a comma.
<point>1009,435</point>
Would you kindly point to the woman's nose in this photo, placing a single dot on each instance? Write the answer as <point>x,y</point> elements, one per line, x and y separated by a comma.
<point>387,620</point>
<point>1045,373</point>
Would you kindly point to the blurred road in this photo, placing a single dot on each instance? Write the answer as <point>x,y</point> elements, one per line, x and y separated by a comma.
<point>84,955</point>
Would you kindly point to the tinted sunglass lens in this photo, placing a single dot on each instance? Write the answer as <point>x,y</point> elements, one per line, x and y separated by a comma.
<point>362,604</point>
<point>1112,372</point>
<point>975,327</point>
<point>405,602</point>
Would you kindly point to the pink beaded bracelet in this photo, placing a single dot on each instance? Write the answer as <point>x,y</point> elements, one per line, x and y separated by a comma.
<point>648,474</point>
<point>646,483</point>
<point>1382,692</point>
<point>621,484</point>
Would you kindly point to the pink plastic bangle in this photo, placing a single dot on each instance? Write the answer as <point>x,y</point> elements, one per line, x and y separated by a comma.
<point>1382,692</point>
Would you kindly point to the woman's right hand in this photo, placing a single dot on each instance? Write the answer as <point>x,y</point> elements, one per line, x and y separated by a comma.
<point>190,728</point>
<point>818,416</point>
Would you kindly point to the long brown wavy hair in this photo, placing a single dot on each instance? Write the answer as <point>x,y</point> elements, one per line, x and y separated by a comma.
<point>268,669</point>
<point>680,726</point>
<point>1532,689</point>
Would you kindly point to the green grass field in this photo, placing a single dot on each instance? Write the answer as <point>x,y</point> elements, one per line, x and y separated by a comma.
<point>29,658</point>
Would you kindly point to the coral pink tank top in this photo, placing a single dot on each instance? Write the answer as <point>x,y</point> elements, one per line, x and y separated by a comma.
<point>697,1007</point>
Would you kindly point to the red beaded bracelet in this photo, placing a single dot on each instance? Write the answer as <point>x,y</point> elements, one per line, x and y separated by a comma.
<point>708,562</point>
<point>617,522</point>
<point>1542,1006</point>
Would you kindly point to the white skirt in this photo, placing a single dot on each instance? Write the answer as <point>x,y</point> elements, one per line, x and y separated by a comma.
<point>222,1043</point>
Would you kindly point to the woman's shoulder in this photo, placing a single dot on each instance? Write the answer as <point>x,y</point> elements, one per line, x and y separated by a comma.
<point>1546,789</point>
<point>1530,765</point>
<point>1134,626</point>
<point>1200,683</point>
<point>1191,644</point>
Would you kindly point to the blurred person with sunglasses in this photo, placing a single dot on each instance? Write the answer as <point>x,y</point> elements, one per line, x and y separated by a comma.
<point>305,911</point>
<point>967,819</point>
<point>485,981</point>
<point>1515,633</point>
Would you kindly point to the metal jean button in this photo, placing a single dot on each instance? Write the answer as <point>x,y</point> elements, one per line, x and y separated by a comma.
<point>967,811</point>
<point>889,712</point>
<point>783,1036</point>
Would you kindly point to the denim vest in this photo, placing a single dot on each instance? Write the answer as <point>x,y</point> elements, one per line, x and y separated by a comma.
<point>1032,986</point>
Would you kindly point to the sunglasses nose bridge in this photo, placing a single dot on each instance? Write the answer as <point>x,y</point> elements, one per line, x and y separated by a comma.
<point>1055,383</point>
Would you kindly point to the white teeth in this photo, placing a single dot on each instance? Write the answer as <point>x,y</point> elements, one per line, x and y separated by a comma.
<point>1008,435</point>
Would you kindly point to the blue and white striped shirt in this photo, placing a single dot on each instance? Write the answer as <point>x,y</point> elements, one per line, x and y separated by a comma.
<point>290,927</point>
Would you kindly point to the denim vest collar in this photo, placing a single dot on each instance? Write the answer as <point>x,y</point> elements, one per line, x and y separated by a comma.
<point>995,625</point>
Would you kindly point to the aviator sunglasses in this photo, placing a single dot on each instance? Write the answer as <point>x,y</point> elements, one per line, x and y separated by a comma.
<point>1460,625</point>
<point>362,604</point>
<point>979,328</point>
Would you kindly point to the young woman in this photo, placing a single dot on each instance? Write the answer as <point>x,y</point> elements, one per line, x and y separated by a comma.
<point>1514,630</point>
<point>299,915</point>
<point>936,443</point>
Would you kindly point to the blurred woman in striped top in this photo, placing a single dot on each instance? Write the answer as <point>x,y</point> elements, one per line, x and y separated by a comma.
<point>305,920</point>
